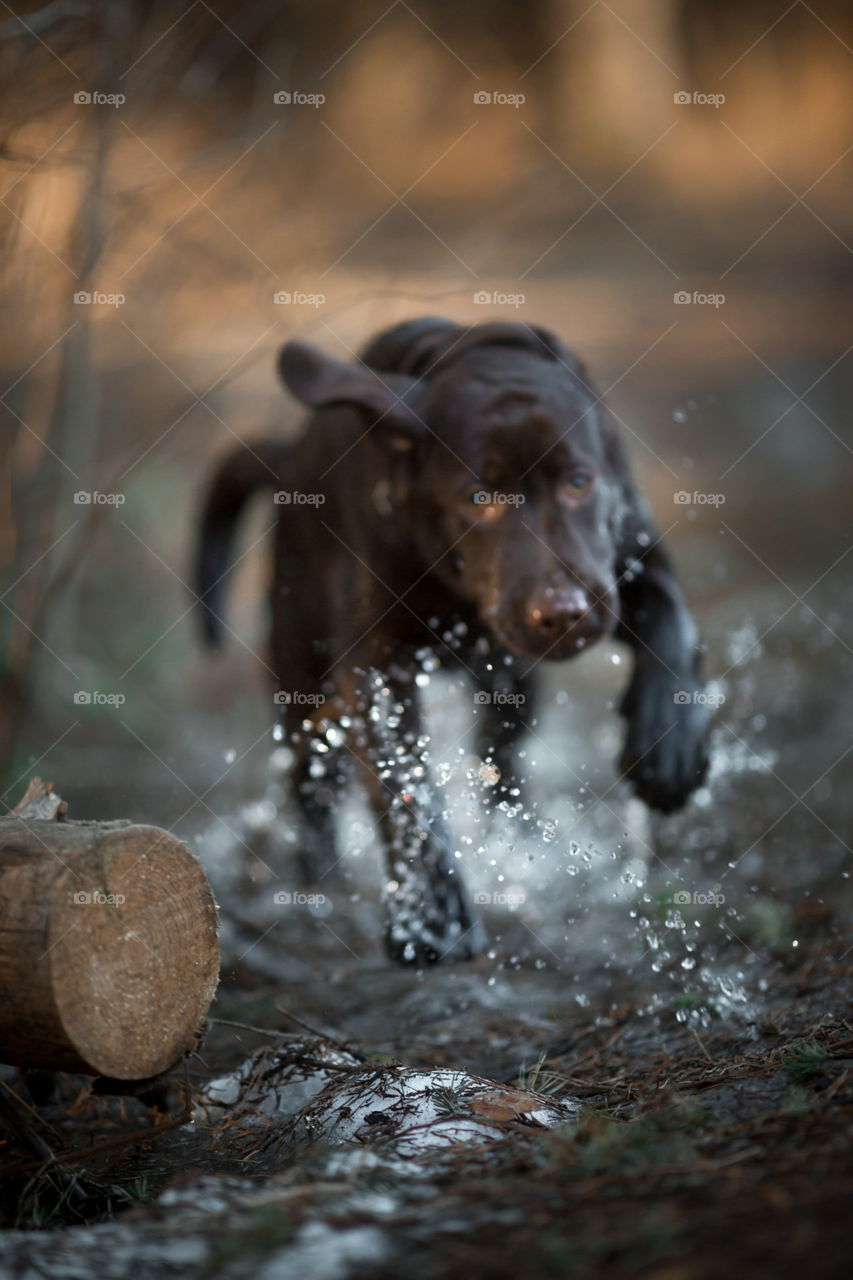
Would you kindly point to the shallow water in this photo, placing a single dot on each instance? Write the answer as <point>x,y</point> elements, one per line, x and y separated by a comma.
<point>593,894</point>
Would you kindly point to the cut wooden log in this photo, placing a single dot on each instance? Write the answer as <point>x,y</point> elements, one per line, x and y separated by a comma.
<point>108,943</point>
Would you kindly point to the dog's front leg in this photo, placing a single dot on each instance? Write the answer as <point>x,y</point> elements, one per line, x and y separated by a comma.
<point>665,755</point>
<point>430,914</point>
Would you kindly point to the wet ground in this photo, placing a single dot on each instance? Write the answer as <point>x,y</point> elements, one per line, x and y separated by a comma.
<point>686,978</point>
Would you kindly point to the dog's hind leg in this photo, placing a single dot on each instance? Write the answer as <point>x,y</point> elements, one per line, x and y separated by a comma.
<point>315,781</point>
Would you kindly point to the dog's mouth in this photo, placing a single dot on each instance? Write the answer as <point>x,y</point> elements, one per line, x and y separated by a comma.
<point>557,642</point>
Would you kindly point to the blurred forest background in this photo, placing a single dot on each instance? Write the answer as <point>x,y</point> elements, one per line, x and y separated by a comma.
<point>180,164</point>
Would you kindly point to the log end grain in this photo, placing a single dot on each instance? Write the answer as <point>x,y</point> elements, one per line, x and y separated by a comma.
<point>109,957</point>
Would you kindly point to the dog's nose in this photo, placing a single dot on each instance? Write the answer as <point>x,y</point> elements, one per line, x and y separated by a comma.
<point>558,611</point>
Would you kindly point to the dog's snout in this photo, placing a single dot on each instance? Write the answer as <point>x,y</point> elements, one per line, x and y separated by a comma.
<point>558,611</point>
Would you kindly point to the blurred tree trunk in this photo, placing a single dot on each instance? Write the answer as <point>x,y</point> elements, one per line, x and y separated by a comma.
<point>40,511</point>
<point>623,65</point>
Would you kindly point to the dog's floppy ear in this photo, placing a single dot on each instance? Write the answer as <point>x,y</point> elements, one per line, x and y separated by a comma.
<point>320,380</point>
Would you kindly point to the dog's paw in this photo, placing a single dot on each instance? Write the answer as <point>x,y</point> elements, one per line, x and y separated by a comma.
<point>666,747</point>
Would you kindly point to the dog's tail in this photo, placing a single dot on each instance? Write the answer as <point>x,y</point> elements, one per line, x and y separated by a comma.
<point>240,474</point>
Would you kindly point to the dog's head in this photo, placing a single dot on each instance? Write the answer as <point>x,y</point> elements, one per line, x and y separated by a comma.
<point>514,485</point>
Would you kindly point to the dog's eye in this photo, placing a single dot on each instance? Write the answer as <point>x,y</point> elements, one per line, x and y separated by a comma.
<point>578,484</point>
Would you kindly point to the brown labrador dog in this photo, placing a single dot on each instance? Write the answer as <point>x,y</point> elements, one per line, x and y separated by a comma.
<point>463,491</point>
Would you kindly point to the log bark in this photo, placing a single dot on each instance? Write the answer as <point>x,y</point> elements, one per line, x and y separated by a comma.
<point>108,943</point>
